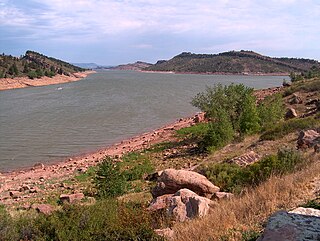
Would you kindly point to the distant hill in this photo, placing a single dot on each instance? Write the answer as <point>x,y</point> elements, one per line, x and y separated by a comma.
<point>234,62</point>
<point>86,65</point>
<point>34,65</point>
<point>139,65</point>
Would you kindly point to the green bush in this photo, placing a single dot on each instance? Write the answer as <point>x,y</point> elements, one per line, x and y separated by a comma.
<point>32,74</point>
<point>284,128</point>
<point>109,180</point>
<point>113,179</point>
<point>220,133</point>
<point>227,98</point>
<point>232,111</point>
<point>249,118</point>
<point>233,178</point>
<point>271,110</point>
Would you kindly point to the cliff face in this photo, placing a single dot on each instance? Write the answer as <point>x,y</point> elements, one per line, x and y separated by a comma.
<point>242,62</point>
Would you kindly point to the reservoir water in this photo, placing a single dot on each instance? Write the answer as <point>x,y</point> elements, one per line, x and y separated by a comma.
<point>50,123</point>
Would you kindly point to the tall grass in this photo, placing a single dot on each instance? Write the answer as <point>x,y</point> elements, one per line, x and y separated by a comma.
<point>230,220</point>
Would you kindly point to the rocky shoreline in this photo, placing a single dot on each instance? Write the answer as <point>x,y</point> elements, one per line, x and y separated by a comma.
<point>23,82</point>
<point>12,183</point>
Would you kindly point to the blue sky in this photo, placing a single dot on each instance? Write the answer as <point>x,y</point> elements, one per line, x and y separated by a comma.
<point>120,31</point>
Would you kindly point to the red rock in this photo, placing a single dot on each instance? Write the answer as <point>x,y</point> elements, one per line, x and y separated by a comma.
<point>171,181</point>
<point>308,138</point>
<point>71,198</point>
<point>46,209</point>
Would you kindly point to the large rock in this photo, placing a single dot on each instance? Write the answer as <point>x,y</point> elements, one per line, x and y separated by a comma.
<point>291,113</point>
<point>171,181</point>
<point>46,209</point>
<point>308,138</point>
<point>297,225</point>
<point>182,205</point>
<point>71,198</point>
<point>295,99</point>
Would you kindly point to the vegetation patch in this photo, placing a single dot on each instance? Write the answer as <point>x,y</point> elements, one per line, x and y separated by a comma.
<point>114,178</point>
<point>284,128</point>
<point>233,178</point>
<point>105,220</point>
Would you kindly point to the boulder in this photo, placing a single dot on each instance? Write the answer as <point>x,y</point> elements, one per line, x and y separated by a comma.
<point>170,181</point>
<point>200,117</point>
<point>71,198</point>
<point>160,202</point>
<point>291,113</point>
<point>167,233</point>
<point>15,194</point>
<point>182,205</point>
<point>308,138</point>
<point>46,209</point>
<point>306,211</point>
<point>296,225</point>
<point>223,195</point>
<point>295,99</point>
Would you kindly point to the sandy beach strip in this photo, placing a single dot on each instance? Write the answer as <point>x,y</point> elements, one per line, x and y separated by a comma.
<point>23,82</point>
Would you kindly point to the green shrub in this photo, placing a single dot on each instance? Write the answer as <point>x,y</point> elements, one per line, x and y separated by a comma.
<point>284,128</point>
<point>249,118</point>
<point>227,98</point>
<point>109,180</point>
<point>271,110</point>
<point>112,178</point>
<point>233,178</point>
<point>219,134</point>
<point>32,74</point>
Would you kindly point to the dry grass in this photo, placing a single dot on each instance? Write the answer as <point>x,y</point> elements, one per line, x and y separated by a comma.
<point>249,212</point>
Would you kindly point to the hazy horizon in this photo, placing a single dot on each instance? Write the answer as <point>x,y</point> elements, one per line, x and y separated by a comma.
<point>113,32</point>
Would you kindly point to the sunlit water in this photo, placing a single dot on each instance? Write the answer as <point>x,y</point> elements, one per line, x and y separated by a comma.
<point>49,123</point>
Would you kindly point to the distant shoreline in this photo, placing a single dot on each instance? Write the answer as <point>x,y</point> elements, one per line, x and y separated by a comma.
<point>215,73</point>
<point>23,82</point>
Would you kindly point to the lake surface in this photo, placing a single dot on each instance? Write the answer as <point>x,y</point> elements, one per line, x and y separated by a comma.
<point>50,123</point>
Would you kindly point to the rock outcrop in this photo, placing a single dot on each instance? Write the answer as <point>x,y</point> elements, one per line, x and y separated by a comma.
<point>170,181</point>
<point>245,159</point>
<point>300,224</point>
<point>71,198</point>
<point>291,113</point>
<point>183,205</point>
<point>308,138</point>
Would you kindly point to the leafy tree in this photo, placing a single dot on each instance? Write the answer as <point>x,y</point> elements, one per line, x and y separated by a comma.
<point>271,110</point>
<point>249,119</point>
<point>220,132</point>
<point>229,98</point>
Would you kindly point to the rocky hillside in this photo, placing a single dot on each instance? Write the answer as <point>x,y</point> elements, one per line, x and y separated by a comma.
<point>139,65</point>
<point>34,65</point>
<point>234,62</point>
